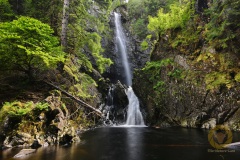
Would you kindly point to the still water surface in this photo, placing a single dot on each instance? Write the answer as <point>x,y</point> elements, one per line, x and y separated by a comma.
<point>119,143</point>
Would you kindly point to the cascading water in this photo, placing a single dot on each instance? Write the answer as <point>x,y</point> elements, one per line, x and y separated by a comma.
<point>122,49</point>
<point>109,105</point>
<point>134,115</point>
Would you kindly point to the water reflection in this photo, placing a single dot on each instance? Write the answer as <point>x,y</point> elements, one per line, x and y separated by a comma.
<point>134,144</point>
<point>119,143</point>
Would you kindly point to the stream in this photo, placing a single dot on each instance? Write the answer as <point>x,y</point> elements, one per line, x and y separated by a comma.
<point>135,143</point>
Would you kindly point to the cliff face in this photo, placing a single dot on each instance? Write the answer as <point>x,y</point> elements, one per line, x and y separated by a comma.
<point>192,79</point>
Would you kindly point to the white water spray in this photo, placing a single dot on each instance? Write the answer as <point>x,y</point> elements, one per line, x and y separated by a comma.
<point>134,115</point>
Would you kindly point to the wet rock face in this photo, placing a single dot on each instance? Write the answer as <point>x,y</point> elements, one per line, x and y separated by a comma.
<point>186,104</point>
<point>115,107</point>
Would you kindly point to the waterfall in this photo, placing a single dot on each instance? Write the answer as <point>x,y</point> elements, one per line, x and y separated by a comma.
<point>134,115</point>
<point>109,105</point>
<point>122,49</point>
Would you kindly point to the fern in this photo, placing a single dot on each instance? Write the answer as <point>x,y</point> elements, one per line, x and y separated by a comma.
<point>20,109</point>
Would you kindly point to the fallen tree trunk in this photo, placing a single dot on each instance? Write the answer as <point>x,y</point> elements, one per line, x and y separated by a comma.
<point>97,111</point>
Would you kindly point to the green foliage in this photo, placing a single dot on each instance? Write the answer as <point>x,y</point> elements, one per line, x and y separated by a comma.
<point>144,45</point>
<point>138,12</point>
<point>136,9</point>
<point>94,44</point>
<point>46,11</point>
<point>27,45</point>
<point>222,29</point>
<point>177,17</point>
<point>5,11</point>
<point>221,70</point>
<point>215,80</point>
<point>85,38</point>
<point>19,109</point>
<point>42,106</point>
<point>83,87</point>
<point>152,6</point>
<point>154,69</point>
<point>82,83</point>
<point>159,86</point>
<point>155,66</point>
<point>115,4</point>
<point>139,28</point>
<point>106,4</point>
<point>185,38</point>
<point>176,73</point>
<point>237,77</point>
<point>220,61</point>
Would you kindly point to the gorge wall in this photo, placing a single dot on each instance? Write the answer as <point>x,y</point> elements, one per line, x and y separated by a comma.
<point>192,78</point>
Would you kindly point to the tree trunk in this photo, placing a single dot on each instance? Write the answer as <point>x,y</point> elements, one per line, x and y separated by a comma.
<point>96,111</point>
<point>65,23</point>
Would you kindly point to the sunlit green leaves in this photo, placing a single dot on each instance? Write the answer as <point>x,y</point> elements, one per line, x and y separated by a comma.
<point>19,109</point>
<point>178,15</point>
<point>28,44</point>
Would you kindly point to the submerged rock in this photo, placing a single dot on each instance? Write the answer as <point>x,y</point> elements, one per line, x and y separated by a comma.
<point>24,152</point>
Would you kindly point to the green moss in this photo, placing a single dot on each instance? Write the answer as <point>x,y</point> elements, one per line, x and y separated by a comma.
<point>215,80</point>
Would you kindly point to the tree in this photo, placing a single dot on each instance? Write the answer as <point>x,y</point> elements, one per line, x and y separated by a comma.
<point>5,11</point>
<point>27,45</point>
<point>47,11</point>
<point>65,18</point>
<point>83,35</point>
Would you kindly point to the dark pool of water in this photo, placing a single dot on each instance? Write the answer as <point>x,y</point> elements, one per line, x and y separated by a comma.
<point>135,144</point>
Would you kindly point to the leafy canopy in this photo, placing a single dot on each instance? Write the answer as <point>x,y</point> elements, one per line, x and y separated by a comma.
<point>27,44</point>
<point>177,17</point>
